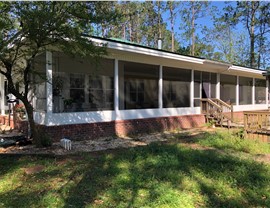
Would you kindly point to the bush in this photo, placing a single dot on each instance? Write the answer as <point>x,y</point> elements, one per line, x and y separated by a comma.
<point>43,139</point>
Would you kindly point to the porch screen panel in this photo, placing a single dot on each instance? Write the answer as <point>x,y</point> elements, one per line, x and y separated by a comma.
<point>197,88</point>
<point>228,88</point>
<point>176,87</point>
<point>245,90</point>
<point>260,91</point>
<point>209,81</point>
<point>138,85</point>
<point>81,86</point>
<point>213,81</point>
<point>204,86</point>
<point>39,83</point>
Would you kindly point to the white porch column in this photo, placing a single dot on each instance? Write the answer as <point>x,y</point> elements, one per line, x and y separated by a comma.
<point>2,93</point>
<point>253,91</point>
<point>266,92</point>
<point>160,87</point>
<point>218,87</point>
<point>237,91</point>
<point>192,89</point>
<point>116,89</point>
<point>49,88</point>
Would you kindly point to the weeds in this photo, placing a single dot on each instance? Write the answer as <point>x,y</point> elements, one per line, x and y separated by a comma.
<point>234,141</point>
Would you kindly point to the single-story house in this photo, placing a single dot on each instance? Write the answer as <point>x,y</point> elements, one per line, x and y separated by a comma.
<point>136,89</point>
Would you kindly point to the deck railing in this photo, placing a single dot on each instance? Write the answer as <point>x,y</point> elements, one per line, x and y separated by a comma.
<point>257,125</point>
<point>257,121</point>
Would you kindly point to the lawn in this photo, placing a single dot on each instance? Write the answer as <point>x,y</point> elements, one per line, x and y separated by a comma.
<point>158,175</point>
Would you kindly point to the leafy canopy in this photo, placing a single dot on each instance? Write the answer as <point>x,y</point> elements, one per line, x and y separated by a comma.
<point>29,28</point>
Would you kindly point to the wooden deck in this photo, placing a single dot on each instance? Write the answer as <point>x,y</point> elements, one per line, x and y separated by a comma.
<point>257,125</point>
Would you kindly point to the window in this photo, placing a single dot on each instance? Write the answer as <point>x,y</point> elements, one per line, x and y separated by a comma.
<point>136,92</point>
<point>176,87</point>
<point>245,90</point>
<point>77,84</point>
<point>260,91</point>
<point>101,92</point>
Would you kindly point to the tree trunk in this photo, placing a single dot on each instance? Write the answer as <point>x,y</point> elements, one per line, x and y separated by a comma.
<point>252,35</point>
<point>159,20</point>
<point>193,30</point>
<point>32,125</point>
<point>252,47</point>
<point>259,52</point>
<point>172,25</point>
<point>27,104</point>
<point>130,29</point>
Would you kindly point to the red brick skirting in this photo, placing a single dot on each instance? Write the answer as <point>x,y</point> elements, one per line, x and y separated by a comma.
<point>5,121</point>
<point>123,127</point>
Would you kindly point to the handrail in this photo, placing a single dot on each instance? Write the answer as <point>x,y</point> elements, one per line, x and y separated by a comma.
<point>223,103</point>
<point>219,106</point>
<point>257,112</point>
<point>213,103</point>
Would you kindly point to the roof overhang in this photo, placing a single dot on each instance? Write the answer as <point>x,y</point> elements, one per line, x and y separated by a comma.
<point>146,51</point>
<point>203,64</point>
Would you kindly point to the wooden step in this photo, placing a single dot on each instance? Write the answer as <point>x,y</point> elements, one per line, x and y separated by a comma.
<point>4,128</point>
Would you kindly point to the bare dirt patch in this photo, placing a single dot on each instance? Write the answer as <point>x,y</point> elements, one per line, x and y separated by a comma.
<point>263,158</point>
<point>186,138</point>
<point>33,170</point>
<point>107,143</point>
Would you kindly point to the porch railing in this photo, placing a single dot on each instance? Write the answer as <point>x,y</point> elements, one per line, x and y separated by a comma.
<point>217,110</point>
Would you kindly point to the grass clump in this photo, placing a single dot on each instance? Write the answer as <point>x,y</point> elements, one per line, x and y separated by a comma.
<point>234,141</point>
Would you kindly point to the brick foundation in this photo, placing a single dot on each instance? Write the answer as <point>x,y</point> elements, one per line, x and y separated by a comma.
<point>5,121</point>
<point>123,127</point>
<point>237,116</point>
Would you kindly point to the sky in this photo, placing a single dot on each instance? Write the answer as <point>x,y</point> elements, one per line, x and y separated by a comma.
<point>205,21</point>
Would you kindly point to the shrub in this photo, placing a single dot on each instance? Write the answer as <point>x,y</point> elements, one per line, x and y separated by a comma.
<point>43,139</point>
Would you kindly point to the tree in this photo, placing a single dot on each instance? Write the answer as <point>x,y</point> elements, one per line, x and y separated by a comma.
<point>30,28</point>
<point>171,6</point>
<point>193,11</point>
<point>254,15</point>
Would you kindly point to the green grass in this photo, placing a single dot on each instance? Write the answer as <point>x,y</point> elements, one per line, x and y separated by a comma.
<point>158,175</point>
<point>231,141</point>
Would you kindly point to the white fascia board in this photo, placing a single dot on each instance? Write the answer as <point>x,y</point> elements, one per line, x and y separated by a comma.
<point>216,63</point>
<point>146,51</point>
<point>248,70</point>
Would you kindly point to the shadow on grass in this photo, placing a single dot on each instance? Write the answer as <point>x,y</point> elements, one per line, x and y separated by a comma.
<point>154,176</point>
<point>144,177</point>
